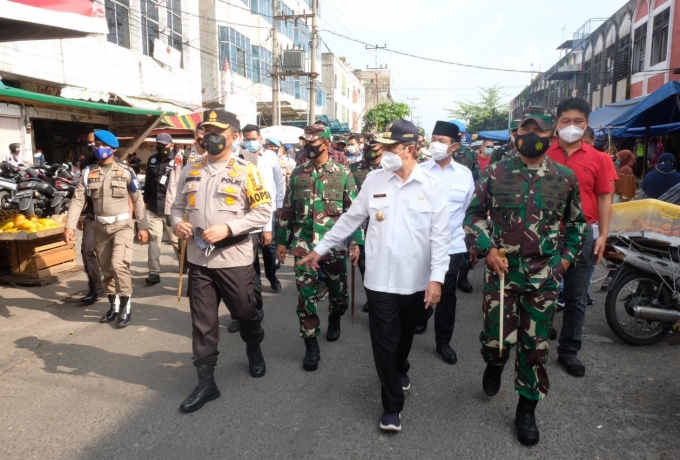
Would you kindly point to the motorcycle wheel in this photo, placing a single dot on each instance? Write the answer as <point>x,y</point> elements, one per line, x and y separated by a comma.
<point>5,200</point>
<point>637,289</point>
<point>62,207</point>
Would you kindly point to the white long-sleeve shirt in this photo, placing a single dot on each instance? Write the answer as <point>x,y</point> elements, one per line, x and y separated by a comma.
<point>408,235</point>
<point>458,185</point>
<point>269,167</point>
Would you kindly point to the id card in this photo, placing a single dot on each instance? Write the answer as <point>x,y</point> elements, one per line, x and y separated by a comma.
<point>164,180</point>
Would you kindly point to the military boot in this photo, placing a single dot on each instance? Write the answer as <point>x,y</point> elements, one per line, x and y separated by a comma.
<point>525,420</point>
<point>205,391</point>
<point>491,382</point>
<point>333,332</point>
<point>312,355</point>
<point>125,315</point>
<point>256,364</point>
<point>112,314</point>
<point>463,283</point>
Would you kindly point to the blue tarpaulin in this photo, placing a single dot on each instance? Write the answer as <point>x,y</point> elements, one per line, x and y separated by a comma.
<point>662,107</point>
<point>500,136</point>
<point>602,117</point>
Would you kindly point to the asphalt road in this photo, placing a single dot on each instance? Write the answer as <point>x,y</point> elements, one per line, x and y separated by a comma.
<point>71,388</point>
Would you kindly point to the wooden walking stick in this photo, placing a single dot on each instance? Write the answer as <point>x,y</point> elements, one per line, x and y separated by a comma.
<point>501,314</point>
<point>182,255</point>
<point>354,270</point>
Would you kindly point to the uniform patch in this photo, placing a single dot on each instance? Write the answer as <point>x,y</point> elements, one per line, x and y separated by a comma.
<point>119,179</point>
<point>380,195</point>
<point>229,180</point>
<point>194,173</point>
<point>153,160</point>
<point>191,199</point>
<point>238,168</point>
<point>230,200</point>
<point>234,174</point>
<point>255,181</point>
<point>230,190</point>
<point>256,199</point>
<point>119,173</point>
<point>231,163</point>
<point>198,165</point>
<point>190,186</point>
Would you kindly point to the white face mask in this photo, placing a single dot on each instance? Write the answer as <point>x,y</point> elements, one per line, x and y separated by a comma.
<point>352,149</point>
<point>571,134</point>
<point>439,151</point>
<point>391,162</point>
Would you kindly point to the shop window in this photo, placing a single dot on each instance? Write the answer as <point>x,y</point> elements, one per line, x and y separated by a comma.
<point>660,36</point>
<point>639,44</point>
<point>597,72</point>
<point>118,20</point>
<point>262,65</point>
<point>623,62</point>
<point>235,48</point>
<point>264,8</point>
<point>610,55</point>
<point>174,8</point>
<point>150,26</point>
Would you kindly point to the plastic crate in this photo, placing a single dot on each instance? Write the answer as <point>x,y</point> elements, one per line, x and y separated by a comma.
<point>646,216</point>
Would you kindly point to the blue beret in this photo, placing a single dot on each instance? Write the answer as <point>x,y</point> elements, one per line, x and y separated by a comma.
<point>107,138</point>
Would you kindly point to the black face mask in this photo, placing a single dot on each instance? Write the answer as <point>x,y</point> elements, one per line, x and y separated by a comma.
<point>532,146</point>
<point>313,151</point>
<point>215,143</point>
<point>372,154</point>
<point>163,150</point>
<point>91,147</point>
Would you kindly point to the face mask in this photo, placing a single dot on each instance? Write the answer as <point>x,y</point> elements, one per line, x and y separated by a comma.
<point>215,143</point>
<point>207,248</point>
<point>352,149</point>
<point>488,151</point>
<point>252,146</point>
<point>439,151</point>
<point>372,154</point>
<point>571,134</point>
<point>164,151</point>
<point>103,153</point>
<point>234,147</point>
<point>532,146</point>
<point>313,151</point>
<point>91,147</point>
<point>391,162</point>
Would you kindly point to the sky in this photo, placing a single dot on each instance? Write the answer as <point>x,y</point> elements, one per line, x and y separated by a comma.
<point>509,34</point>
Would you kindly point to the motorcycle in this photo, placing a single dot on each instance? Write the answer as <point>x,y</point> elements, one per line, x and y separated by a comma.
<point>44,191</point>
<point>9,176</point>
<point>643,298</point>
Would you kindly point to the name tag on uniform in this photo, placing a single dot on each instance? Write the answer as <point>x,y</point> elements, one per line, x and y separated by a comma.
<point>164,180</point>
<point>380,195</point>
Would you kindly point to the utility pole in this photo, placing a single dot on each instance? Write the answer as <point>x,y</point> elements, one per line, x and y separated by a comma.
<point>312,67</point>
<point>413,107</point>
<point>376,69</point>
<point>276,117</point>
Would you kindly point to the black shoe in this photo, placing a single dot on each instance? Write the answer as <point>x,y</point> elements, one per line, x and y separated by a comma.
<point>405,382</point>
<point>491,382</point>
<point>153,279</point>
<point>447,353</point>
<point>256,364</point>
<point>422,327</point>
<point>553,333</point>
<point>233,327</point>
<point>274,283</point>
<point>560,302</point>
<point>92,297</point>
<point>572,365</point>
<point>464,285</point>
<point>525,421</point>
<point>277,264</point>
<point>124,317</point>
<point>390,421</point>
<point>333,332</point>
<point>589,300</point>
<point>205,391</point>
<point>112,314</point>
<point>312,355</point>
<point>365,308</point>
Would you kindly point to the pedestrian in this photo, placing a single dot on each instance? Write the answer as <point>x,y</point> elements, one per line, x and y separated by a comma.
<point>596,174</point>
<point>372,155</point>
<point>589,136</point>
<point>485,156</point>
<point>406,257</point>
<point>662,178</point>
<point>133,162</point>
<point>466,157</point>
<point>625,188</point>
<point>519,206</point>
<point>508,149</point>
<point>111,186</point>
<point>458,186</point>
<point>336,155</point>
<point>15,157</point>
<point>287,164</point>
<point>354,151</point>
<point>158,170</point>
<point>223,198</point>
<point>320,191</point>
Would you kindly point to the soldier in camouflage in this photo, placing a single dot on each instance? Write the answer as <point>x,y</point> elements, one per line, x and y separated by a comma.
<point>528,198</point>
<point>373,151</point>
<point>467,158</point>
<point>319,192</point>
<point>508,150</point>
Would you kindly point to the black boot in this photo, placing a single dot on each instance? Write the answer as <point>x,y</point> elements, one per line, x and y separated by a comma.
<point>491,382</point>
<point>333,332</point>
<point>256,364</point>
<point>463,283</point>
<point>312,355</point>
<point>421,328</point>
<point>92,297</point>
<point>112,314</point>
<point>124,317</point>
<point>525,420</point>
<point>205,391</point>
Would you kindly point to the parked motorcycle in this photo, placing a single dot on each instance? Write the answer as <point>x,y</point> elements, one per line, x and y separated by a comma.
<point>9,176</point>
<point>643,300</point>
<point>44,191</point>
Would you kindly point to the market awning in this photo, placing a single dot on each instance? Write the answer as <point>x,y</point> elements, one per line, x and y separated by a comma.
<point>8,94</point>
<point>183,121</point>
<point>602,118</point>
<point>662,107</point>
<point>141,103</point>
<point>50,19</point>
<point>500,136</point>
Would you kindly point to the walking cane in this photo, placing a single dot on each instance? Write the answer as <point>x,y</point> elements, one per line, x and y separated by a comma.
<point>354,270</point>
<point>182,255</point>
<point>502,307</point>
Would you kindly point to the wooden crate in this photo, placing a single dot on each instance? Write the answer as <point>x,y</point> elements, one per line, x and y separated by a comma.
<point>42,257</point>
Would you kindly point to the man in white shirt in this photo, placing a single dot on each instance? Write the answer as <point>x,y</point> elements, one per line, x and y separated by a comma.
<point>15,157</point>
<point>458,186</point>
<point>407,241</point>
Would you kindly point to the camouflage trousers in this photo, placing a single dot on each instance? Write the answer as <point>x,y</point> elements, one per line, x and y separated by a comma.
<point>308,284</point>
<point>527,318</point>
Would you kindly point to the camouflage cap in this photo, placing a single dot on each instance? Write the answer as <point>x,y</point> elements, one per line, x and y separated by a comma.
<point>542,116</point>
<point>371,141</point>
<point>339,140</point>
<point>514,124</point>
<point>316,131</point>
<point>421,131</point>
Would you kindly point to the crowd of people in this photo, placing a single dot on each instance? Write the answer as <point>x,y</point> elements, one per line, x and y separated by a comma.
<point>413,214</point>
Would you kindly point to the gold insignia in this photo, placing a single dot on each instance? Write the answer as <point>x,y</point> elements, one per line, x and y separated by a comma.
<point>221,146</point>
<point>230,200</point>
<point>198,165</point>
<point>190,187</point>
<point>379,216</point>
<point>421,198</point>
<point>234,174</point>
<point>192,199</point>
<point>212,116</point>
<point>230,190</point>
<point>520,143</point>
<point>231,163</point>
<point>194,173</point>
<point>388,127</point>
<point>238,168</point>
<point>539,145</point>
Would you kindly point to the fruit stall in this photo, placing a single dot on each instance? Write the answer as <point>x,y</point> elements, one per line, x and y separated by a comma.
<point>652,220</point>
<point>35,249</point>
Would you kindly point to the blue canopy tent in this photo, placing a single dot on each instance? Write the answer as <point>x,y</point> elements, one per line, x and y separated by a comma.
<point>500,136</point>
<point>601,119</point>
<point>662,107</point>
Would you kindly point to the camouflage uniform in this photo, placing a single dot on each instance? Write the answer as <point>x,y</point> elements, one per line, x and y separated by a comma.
<point>527,208</point>
<point>315,200</point>
<point>360,171</point>
<point>467,158</point>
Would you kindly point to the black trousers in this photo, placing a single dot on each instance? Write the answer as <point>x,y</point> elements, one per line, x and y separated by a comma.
<point>94,273</point>
<point>393,319</point>
<point>236,287</point>
<point>445,313</point>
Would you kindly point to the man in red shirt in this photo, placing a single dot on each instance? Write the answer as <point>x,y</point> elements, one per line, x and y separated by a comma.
<point>595,173</point>
<point>485,154</point>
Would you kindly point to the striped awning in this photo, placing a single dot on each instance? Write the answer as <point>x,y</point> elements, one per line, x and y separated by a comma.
<point>183,121</point>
